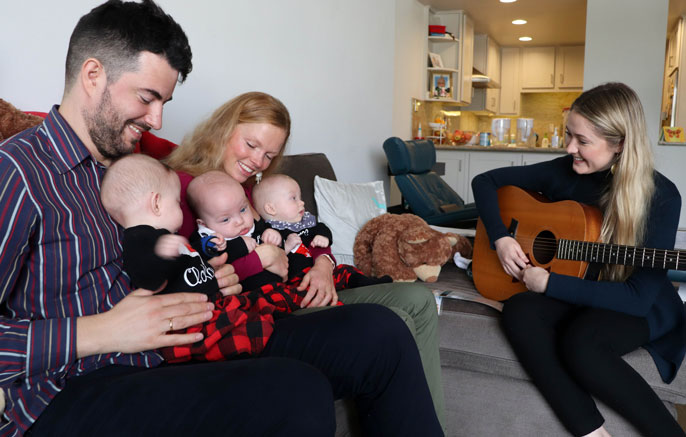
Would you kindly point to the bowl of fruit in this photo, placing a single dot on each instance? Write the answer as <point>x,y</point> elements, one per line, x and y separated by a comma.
<point>462,137</point>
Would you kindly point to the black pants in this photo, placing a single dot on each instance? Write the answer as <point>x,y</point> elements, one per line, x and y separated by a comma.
<point>574,352</point>
<point>361,351</point>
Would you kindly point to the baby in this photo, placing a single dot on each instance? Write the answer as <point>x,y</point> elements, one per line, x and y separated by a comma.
<point>278,201</point>
<point>142,195</point>
<point>223,213</point>
<point>226,224</point>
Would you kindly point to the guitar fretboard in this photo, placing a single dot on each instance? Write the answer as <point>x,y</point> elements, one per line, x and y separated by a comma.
<point>624,255</point>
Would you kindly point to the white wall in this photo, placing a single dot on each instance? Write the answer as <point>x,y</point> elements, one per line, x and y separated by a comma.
<point>409,63</point>
<point>625,42</point>
<point>331,62</point>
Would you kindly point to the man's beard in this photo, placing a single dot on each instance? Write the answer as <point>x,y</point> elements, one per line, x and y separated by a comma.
<point>106,127</point>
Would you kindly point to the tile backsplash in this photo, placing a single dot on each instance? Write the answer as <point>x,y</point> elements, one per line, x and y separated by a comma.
<point>544,108</point>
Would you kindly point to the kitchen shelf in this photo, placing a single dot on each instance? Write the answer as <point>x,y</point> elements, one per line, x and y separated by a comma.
<point>435,99</point>
<point>439,69</point>
<point>443,39</point>
<point>455,49</point>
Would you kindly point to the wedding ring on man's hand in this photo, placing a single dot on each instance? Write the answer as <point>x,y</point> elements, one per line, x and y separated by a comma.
<point>171,324</point>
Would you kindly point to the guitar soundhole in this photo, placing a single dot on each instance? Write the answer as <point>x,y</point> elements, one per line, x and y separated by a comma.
<point>545,246</point>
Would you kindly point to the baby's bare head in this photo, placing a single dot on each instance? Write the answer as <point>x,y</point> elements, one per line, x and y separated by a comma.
<point>211,191</point>
<point>129,180</point>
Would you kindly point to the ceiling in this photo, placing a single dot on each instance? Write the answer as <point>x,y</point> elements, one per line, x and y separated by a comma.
<point>549,22</point>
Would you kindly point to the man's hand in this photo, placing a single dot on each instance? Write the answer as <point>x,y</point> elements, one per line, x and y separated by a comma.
<point>141,321</point>
<point>225,275</point>
<point>319,285</point>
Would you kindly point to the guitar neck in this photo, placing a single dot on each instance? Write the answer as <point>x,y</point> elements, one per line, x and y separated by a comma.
<point>624,255</point>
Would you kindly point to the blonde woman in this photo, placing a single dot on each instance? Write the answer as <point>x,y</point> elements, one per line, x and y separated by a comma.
<point>570,333</point>
<point>247,136</point>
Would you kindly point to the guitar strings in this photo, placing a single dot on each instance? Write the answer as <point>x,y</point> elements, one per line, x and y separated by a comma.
<point>661,256</point>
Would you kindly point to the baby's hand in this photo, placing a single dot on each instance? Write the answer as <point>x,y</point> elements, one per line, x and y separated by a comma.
<point>167,246</point>
<point>219,241</point>
<point>320,241</point>
<point>250,243</point>
<point>271,236</point>
<point>213,244</point>
<point>292,241</point>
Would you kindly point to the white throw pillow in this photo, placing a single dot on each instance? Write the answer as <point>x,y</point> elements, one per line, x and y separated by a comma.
<point>345,208</point>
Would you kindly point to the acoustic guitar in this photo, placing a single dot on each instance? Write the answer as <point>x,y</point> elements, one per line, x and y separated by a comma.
<point>560,237</point>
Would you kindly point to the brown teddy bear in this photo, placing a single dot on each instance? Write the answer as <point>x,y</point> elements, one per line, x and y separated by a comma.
<point>405,247</point>
<point>13,120</point>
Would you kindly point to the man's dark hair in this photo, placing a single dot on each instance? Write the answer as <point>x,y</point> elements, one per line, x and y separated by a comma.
<point>116,32</point>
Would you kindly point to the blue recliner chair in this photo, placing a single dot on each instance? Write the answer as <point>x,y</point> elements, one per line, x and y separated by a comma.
<point>425,192</point>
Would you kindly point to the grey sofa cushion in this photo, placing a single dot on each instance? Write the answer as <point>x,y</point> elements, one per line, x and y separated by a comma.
<point>471,338</point>
<point>303,168</point>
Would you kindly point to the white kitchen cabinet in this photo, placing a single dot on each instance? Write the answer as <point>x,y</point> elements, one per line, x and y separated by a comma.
<point>461,166</point>
<point>455,171</point>
<point>550,69</point>
<point>569,69</point>
<point>487,62</point>
<point>456,55</point>
<point>538,68</point>
<point>510,93</point>
<point>480,162</point>
<point>534,158</point>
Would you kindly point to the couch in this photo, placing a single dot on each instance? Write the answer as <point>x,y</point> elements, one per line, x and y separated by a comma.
<point>487,392</point>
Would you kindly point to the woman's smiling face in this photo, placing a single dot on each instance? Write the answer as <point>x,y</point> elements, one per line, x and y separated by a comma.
<point>251,148</point>
<point>591,152</point>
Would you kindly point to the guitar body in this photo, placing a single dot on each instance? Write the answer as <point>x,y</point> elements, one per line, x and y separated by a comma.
<point>537,224</point>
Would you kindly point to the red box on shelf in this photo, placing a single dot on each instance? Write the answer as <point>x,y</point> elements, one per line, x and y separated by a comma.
<point>434,28</point>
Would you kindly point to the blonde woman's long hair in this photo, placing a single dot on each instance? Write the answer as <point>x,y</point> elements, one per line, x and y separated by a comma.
<point>204,149</point>
<point>617,115</point>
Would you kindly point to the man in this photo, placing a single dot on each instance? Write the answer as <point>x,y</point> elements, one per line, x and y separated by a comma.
<point>77,344</point>
<point>123,63</point>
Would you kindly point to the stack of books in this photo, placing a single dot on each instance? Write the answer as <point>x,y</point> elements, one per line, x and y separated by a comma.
<point>439,31</point>
<point>436,30</point>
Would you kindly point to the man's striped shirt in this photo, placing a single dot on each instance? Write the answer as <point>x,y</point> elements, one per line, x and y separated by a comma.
<point>60,258</point>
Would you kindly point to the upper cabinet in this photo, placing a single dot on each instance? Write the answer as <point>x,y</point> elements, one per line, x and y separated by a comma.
<point>486,91</point>
<point>570,67</point>
<point>450,58</point>
<point>487,57</point>
<point>487,62</point>
<point>510,93</point>
<point>538,68</point>
<point>552,68</point>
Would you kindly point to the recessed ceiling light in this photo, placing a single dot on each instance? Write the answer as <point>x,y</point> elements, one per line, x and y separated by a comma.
<point>525,38</point>
<point>507,1</point>
<point>518,21</point>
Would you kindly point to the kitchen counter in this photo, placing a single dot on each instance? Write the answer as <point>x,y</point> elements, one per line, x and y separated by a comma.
<point>521,148</point>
